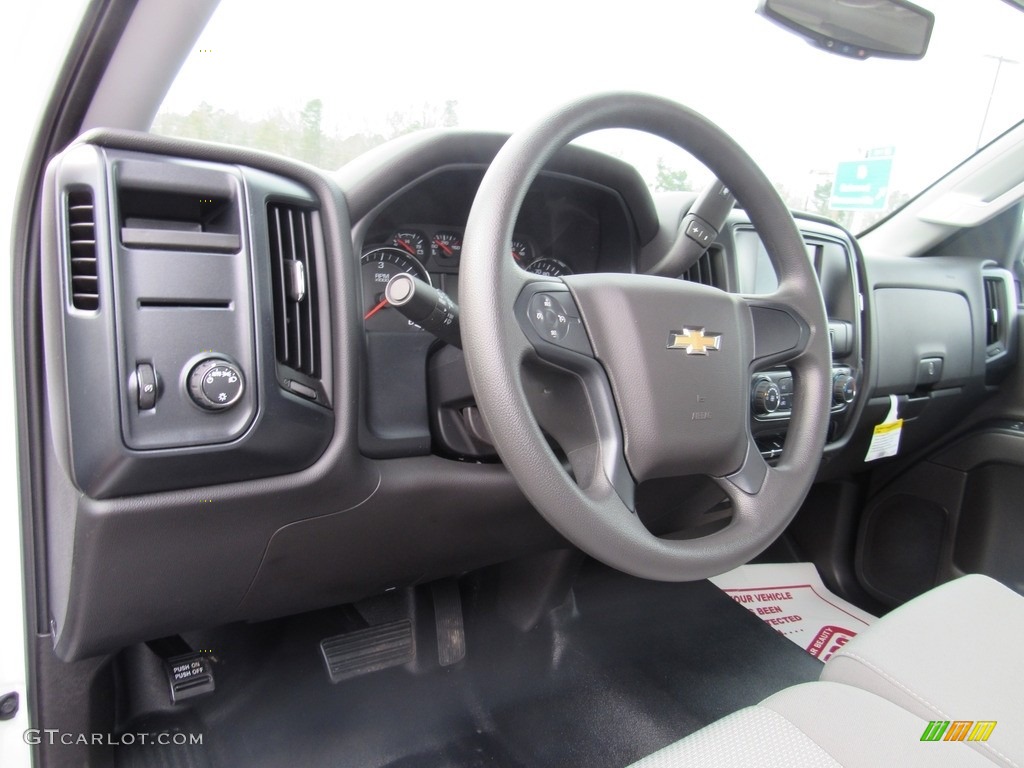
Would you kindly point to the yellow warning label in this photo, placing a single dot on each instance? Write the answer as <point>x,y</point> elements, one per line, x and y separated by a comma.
<point>892,426</point>
<point>886,439</point>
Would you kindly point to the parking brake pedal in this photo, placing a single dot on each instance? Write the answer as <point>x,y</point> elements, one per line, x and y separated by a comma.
<point>189,673</point>
<point>451,634</point>
<point>368,650</point>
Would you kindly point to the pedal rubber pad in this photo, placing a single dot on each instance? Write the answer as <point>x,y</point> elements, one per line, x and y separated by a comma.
<point>451,634</point>
<point>368,650</point>
<point>189,675</point>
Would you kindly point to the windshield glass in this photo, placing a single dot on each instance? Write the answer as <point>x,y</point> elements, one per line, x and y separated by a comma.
<point>324,82</point>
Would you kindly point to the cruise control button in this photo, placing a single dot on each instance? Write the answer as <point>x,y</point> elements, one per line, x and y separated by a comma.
<point>548,317</point>
<point>556,320</point>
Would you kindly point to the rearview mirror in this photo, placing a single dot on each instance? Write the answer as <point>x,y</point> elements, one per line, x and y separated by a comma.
<point>893,29</point>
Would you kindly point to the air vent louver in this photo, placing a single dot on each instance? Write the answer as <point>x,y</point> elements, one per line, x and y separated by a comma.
<point>704,271</point>
<point>293,268</point>
<point>993,311</point>
<point>83,284</point>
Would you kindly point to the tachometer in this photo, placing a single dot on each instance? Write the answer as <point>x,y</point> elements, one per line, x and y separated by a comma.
<point>549,267</point>
<point>379,266</point>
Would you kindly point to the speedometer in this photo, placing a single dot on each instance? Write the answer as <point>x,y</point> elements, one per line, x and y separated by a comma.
<point>378,267</point>
<point>549,267</point>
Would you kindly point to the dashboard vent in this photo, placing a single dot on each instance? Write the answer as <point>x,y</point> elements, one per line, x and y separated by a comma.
<point>994,313</point>
<point>293,270</point>
<point>83,283</point>
<point>705,271</point>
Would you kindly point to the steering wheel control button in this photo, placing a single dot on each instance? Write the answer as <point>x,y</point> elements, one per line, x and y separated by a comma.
<point>766,397</point>
<point>145,379</point>
<point>215,384</point>
<point>556,320</point>
<point>548,317</point>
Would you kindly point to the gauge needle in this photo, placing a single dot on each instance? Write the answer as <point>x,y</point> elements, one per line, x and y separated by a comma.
<point>443,247</point>
<point>383,303</point>
<point>407,247</point>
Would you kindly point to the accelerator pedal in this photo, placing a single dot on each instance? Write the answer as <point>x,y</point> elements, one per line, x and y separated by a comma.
<point>368,650</point>
<point>451,634</point>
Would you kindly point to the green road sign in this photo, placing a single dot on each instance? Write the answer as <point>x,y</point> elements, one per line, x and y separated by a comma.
<point>861,185</point>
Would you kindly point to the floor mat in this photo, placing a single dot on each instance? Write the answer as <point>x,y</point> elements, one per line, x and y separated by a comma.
<point>624,668</point>
<point>791,598</point>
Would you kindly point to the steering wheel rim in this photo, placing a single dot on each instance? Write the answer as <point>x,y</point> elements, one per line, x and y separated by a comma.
<point>633,435</point>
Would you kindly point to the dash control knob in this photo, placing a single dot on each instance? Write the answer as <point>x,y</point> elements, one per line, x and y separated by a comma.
<point>844,389</point>
<point>766,397</point>
<point>215,384</point>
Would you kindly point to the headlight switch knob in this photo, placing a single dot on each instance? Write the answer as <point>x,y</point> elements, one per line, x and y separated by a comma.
<point>215,384</point>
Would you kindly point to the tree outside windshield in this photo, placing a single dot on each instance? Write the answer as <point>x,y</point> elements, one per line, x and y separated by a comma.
<point>852,140</point>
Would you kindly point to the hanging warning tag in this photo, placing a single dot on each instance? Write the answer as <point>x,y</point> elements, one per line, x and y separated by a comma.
<point>886,440</point>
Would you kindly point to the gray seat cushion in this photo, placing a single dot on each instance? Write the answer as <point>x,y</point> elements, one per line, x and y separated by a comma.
<point>951,654</point>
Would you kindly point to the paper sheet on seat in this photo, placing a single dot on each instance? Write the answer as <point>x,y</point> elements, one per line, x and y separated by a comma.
<point>791,598</point>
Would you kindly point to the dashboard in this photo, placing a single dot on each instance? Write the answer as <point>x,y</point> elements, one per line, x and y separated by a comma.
<point>222,372</point>
<point>567,226</point>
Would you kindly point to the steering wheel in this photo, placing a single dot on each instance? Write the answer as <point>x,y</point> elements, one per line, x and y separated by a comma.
<point>638,377</point>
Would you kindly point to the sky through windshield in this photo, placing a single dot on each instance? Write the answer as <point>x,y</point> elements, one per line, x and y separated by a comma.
<point>377,69</point>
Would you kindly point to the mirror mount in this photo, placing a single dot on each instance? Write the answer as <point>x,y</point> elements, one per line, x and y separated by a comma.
<point>858,29</point>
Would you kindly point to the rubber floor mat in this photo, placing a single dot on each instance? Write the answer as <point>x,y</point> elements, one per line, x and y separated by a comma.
<point>624,668</point>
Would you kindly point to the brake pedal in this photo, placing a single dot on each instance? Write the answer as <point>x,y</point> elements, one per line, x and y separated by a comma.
<point>368,650</point>
<point>451,633</point>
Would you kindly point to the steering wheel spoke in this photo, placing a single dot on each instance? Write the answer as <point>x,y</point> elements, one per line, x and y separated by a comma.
<point>549,318</point>
<point>780,333</point>
<point>750,477</point>
<point>569,392</point>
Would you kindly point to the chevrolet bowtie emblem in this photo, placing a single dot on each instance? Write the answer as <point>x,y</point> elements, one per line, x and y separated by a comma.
<point>694,340</point>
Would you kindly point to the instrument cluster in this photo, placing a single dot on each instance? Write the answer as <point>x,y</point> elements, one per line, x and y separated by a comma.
<point>433,255</point>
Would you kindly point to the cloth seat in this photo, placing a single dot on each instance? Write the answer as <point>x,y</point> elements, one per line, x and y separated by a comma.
<point>949,655</point>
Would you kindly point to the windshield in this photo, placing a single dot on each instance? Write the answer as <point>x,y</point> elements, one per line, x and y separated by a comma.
<point>853,140</point>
